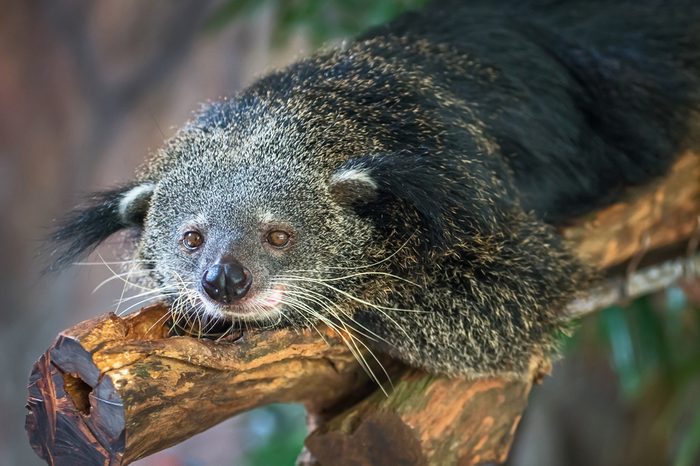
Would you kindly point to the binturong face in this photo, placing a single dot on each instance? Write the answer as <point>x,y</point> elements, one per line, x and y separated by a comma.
<point>247,241</point>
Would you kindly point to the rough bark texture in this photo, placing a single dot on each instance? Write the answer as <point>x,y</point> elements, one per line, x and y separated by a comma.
<point>118,389</point>
<point>111,390</point>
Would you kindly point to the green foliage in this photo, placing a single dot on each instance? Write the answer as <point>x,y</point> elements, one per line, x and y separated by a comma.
<point>655,350</point>
<point>322,20</point>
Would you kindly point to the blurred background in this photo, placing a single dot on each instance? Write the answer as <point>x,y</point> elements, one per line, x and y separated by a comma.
<point>89,88</point>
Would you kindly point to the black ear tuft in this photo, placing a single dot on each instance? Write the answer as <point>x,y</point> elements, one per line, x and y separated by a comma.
<point>102,214</point>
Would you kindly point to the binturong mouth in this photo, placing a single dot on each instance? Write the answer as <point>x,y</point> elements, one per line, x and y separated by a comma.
<point>219,321</point>
<point>274,297</point>
<point>256,305</point>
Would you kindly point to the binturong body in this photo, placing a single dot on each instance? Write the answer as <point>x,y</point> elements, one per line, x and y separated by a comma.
<point>407,186</point>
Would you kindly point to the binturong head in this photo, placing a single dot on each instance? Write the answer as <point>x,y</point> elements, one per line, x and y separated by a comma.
<point>239,236</point>
<point>237,226</point>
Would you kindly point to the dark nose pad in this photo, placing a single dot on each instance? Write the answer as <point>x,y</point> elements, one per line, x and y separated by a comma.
<point>227,281</point>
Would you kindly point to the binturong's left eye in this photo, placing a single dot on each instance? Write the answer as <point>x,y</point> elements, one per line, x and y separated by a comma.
<point>278,238</point>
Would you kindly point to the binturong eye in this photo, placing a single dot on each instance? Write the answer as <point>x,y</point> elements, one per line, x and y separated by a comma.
<point>278,238</point>
<point>192,240</point>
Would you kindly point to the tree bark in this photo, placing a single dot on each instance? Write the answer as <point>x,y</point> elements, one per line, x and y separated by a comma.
<point>112,390</point>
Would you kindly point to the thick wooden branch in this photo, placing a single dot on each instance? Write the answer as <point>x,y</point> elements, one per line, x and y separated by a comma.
<point>111,390</point>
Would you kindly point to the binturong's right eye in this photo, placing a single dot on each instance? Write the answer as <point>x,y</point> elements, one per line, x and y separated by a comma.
<point>192,240</point>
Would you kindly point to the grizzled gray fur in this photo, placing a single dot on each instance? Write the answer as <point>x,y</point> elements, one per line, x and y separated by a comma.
<point>407,185</point>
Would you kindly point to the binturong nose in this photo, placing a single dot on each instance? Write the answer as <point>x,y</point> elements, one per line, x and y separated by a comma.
<point>227,281</point>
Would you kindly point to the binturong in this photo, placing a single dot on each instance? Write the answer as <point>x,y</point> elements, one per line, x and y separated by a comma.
<point>407,185</point>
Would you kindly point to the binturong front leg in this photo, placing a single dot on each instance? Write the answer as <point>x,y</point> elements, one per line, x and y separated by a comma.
<point>489,308</point>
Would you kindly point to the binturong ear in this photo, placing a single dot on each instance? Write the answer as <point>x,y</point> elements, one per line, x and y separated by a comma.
<point>353,184</point>
<point>102,214</point>
<point>406,181</point>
